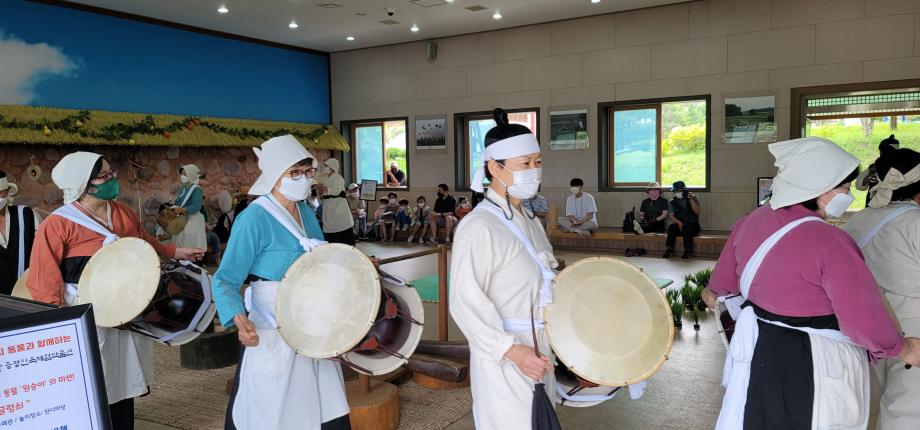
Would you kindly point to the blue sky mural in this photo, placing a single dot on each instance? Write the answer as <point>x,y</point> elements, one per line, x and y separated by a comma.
<point>60,57</point>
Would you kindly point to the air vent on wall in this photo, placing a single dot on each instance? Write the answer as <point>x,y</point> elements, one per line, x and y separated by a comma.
<point>389,22</point>
<point>329,5</point>
<point>428,3</point>
<point>476,8</point>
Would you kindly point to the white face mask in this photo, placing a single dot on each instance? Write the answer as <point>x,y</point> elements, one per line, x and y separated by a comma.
<point>679,194</point>
<point>327,170</point>
<point>183,179</point>
<point>465,204</point>
<point>421,205</point>
<point>296,189</point>
<point>575,190</point>
<point>839,205</point>
<point>526,183</point>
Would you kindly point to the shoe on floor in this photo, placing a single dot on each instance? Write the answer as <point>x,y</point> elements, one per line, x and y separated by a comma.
<point>668,254</point>
<point>629,252</point>
<point>421,241</point>
<point>411,239</point>
<point>687,255</point>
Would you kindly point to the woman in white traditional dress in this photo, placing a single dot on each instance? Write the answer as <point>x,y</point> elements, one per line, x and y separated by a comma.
<point>501,278</point>
<point>275,387</point>
<point>191,197</point>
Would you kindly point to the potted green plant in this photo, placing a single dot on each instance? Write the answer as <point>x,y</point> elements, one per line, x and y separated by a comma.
<point>677,307</point>
<point>692,294</point>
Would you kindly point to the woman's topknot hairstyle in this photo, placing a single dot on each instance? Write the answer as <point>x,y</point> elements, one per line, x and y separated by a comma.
<point>503,129</point>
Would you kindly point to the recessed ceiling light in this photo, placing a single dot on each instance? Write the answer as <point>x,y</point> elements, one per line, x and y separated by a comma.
<point>350,38</point>
<point>293,24</point>
<point>497,15</point>
<point>223,9</point>
<point>449,1</point>
<point>414,28</point>
<point>595,1</point>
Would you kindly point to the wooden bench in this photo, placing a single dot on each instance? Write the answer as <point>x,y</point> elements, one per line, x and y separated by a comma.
<point>707,244</point>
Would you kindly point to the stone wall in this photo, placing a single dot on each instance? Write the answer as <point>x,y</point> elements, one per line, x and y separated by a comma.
<point>144,188</point>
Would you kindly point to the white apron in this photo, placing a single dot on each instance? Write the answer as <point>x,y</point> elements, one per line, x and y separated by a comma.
<point>127,357</point>
<point>279,389</point>
<point>522,329</point>
<point>841,369</point>
<point>194,235</point>
<point>900,386</point>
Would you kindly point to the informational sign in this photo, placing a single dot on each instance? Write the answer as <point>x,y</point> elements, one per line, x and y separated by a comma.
<point>50,376</point>
<point>368,190</point>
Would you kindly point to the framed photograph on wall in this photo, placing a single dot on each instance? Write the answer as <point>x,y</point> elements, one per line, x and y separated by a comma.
<point>431,132</point>
<point>368,189</point>
<point>764,190</point>
<point>568,129</point>
<point>750,119</point>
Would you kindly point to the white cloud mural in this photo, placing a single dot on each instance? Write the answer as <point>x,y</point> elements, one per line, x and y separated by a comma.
<point>24,64</point>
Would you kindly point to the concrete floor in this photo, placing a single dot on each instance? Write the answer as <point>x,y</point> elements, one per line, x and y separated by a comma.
<point>685,394</point>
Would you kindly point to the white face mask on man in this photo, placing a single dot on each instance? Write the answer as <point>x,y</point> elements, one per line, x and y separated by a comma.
<point>575,190</point>
<point>526,183</point>
<point>296,189</point>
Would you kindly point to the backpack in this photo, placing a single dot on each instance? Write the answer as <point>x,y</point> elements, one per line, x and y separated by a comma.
<point>629,221</point>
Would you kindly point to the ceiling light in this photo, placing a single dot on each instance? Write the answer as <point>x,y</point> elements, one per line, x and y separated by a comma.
<point>449,1</point>
<point>350,38</point>
<point>497,15</point>
<point>414,28</point>
<point>223,9</point>
<point>595,1</point>
<point>293,24</point>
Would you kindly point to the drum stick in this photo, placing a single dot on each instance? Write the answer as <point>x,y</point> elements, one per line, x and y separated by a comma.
<point>408,256</point>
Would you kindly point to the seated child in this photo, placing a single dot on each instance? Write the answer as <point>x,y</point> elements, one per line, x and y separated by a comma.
<point>420,220</point>
<point>463,207</point>
<point>403,215</point>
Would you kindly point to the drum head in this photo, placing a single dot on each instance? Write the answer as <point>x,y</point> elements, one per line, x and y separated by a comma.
<point>19,289</point>
<point>408,337</point>
<point>119,281</point>
<point>609,322</point>
<point>328,301</point>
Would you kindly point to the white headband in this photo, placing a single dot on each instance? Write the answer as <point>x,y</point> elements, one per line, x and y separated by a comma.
<point>881,193</point>
<point>517,146</point>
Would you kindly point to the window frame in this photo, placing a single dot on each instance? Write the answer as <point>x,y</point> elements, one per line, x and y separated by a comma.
<point>462,146</point>
<point>352,169</point>
<point>799,96</point>
<point>605,145</point>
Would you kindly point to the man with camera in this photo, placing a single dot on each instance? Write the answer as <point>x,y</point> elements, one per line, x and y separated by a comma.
<point>684,212</point>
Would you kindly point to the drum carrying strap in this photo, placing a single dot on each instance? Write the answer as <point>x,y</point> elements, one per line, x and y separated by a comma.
<point>274,209</point>
<point>21,267</point>
<point>878,227</point>
<point>77,216</point>
<point>188,195</point>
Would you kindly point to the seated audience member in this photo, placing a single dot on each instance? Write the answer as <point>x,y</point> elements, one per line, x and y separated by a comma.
<point>420,220</point>
<point>463,207</point>
<point>403,216</point>
<point>654,210</point>
<point>684,211</point>
<point>395,177</point>
<point>580,211</point>
<point>358,210</point>
<point>538,206</point>
<point>443,214</point>
<point>385,219</point>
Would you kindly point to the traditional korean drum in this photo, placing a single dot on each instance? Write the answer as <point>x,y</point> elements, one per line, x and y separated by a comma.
<point>173,219</point>
<point>610,326</point>
<point>132,288</point>
<point>333,303</point>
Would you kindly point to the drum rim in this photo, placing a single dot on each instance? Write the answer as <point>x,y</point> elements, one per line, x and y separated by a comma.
<point>369,321</point>
<point>84,286</point>
<point>671,330</point>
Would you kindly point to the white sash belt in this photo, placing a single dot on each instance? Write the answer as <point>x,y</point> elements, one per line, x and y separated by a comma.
<point>522,325</point>
<point>188,195</point>
<point>260,302</point>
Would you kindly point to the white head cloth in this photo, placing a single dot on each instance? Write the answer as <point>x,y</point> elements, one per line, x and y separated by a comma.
<point>193,173</point>
<point>881,193</point>
<point>808,167</point>
<point>276,155</point>
<point>517,146</point>
<point>72,174</point>
<point>333,164</point>
<point>5,184</point>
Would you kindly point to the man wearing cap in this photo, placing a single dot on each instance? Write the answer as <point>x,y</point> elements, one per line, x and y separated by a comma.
<point>653,210</point>
<point>358,210</point>
<point>684,211</point>
<point>888,233</point>
<point>17,231</point>
<point>90,219</point>
<point>395,177</point>
<point>811,313</point>
<point>338,223</point>
<point>501,280</point>
<point>275,388</point>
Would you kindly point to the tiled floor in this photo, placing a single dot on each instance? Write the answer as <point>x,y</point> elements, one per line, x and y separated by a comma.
<point>685,394</point>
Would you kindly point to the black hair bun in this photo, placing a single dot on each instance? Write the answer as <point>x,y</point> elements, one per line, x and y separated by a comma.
<point>500,116</point>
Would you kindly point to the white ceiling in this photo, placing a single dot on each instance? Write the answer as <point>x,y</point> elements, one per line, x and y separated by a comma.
<point>325,29</point>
